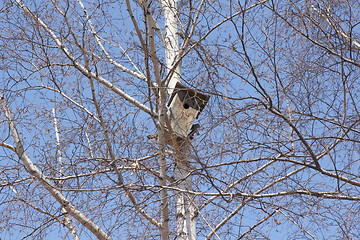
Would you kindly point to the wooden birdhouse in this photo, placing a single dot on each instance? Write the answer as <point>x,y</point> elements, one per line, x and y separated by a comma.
<point>184,106</point>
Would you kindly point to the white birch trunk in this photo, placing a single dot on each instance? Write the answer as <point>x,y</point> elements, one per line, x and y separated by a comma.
<point>185,209</point>
<point>171,43</point>
<point>67,220</point>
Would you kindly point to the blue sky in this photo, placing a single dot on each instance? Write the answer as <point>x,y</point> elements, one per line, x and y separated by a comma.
<point>302,80</point>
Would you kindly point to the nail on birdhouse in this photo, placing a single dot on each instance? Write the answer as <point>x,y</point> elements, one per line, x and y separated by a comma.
<point>184,106</point>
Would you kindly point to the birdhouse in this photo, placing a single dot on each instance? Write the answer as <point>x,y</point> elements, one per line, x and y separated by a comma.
<point>184,106</point>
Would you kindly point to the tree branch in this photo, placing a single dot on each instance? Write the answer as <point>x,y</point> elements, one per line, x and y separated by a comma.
<point>81,67</point>
<point>43,180</point>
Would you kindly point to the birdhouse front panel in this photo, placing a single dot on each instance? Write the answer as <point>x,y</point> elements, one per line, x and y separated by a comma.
<point>181,117</point>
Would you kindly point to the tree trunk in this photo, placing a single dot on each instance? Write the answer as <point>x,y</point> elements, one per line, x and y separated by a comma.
<point>185,207</point>
<point>185,210</point>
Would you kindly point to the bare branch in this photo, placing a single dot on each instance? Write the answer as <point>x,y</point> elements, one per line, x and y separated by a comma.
<point>82,68</point>
<point>43,180</point>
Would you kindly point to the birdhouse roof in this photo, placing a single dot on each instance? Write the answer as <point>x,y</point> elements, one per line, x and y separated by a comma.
<point>192,98</point>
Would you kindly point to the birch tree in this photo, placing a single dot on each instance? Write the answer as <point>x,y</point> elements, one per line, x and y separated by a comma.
<point>91,144</point>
